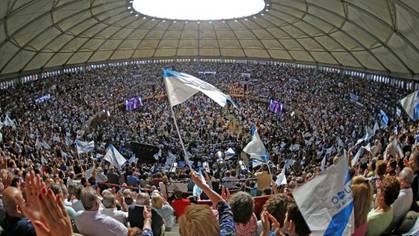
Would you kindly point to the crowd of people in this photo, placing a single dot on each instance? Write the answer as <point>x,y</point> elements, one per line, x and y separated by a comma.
<point>48,188</point>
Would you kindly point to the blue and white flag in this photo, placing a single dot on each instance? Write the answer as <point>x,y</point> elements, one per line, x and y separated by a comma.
<point>157,155</point>
<point>375,128</point>
<point>230,153</point>
<point>197,191</point>
<point>410,104</point>
<point>85,147</point>
<point>384,119</point>
<point>133,159</point>
<point>326,201</point>
<point>8,122</point>
<point>281,179</point>
<point>181,86</point>
<point>354,97</point>
<point>114,157</point>
<point>323,163</point>
<point>255,147</point>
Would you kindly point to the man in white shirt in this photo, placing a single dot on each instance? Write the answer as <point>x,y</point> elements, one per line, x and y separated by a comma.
<point>404,201</point>
<point>92,222</point>
<point>109,203</point>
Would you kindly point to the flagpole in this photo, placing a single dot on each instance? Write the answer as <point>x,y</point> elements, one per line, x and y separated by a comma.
<point>176,126</point>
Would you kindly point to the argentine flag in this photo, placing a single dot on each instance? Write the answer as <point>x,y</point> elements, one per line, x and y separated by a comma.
<point>114,157</point>
<point>197,191</point>
<point>85,147</point>
<point>181,86</point>
<point>410,103</point>
<point>326,201</point>
<point>255,147</point>
<point>384,119</point>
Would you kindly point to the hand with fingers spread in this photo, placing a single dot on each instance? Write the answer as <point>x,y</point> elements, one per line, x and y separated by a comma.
<point>44,209</point>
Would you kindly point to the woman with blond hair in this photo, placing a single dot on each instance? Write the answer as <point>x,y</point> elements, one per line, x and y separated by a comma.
<point>362,197</point>
<point>200,220</point>
<point>164,209</point>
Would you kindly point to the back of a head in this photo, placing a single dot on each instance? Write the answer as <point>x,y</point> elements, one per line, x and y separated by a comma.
<point>88,198</point>
<point>143,199</point>
<point>294,214</point>
<point>156,201</point>
<point>276,205</point>
<point>242,207</point>
<point>414,157</point>
<point>198,220</point>
<point>10,195</point>
<point>56,189</point>
<point>381,168</point>
<point>407,175</point>
<point>362,195</point>
<point>390,187</point>
<point>108,200</point>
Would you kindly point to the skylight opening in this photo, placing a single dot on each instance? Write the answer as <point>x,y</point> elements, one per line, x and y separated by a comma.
<point>198,9</point>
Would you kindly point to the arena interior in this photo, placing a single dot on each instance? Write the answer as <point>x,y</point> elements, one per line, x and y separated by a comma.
<point>193,118</point>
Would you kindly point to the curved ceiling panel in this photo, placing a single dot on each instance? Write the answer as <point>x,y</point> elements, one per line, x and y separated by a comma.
<point>378,35</point>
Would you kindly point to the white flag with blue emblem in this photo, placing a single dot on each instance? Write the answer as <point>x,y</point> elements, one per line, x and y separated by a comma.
<point>255,147</point>
<point>114,157</point>
<point>85,147</point>
<point>326,201</point>
<point>181,86</point>
<point>410,103</point>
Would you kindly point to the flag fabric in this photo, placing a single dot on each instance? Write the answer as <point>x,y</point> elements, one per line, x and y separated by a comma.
<point>230,153</point>
<point>181,86</point>
<point>375,128</point>
<point>369,133</point>
<point>114,157</point>
<point>326,201</point>
<point>355,159</point>
<point>275,106</point>
<point>133,159</point>
<point>84,147</point>
<point>410,104</point>
<point>323,164</point>
<point>367,147</point>
<point>157,155</point>
<point>281,179</point>
<point>339,142</point>
<point>354,97</point>
<point>8,122</point>
<point>170,160</point>
<point>255,147</point>
<point>197,191</point>
<point>384,119</point>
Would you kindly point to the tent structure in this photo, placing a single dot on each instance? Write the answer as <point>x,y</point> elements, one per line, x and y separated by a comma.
<point>367,35</point>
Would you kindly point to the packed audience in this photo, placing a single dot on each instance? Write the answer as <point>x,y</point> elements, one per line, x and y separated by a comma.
<point>47,188</point>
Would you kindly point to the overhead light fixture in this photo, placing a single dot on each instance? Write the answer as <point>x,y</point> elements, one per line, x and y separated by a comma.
<point>198,9</point>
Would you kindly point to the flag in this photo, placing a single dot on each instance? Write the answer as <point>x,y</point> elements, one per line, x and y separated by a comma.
<point>9,122</point>
<point>354,97</point>
<point>157,155</point>
<point>281,179</point>
<point>355,159</point>
<point>133,159</point>
<point>197,191</point>
<point>367,147</point>
<point>85,147</point>
<point>375,128</point>
<point>326,201</point>
<point>369,133</point>
<point>255,147</point>
<point>181,86</point>
<point>170,160</point>
<point>339,142</point>
<point>114,157</point>
<point>323,164</point>
<point>410,104</point>
<point>229,154</point>
<point>384,119</point>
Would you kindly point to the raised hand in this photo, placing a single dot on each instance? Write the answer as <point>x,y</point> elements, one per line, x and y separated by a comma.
<point>225,193</point>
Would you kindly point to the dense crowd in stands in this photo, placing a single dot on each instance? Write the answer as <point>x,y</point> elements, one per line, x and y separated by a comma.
<point>47,188</point>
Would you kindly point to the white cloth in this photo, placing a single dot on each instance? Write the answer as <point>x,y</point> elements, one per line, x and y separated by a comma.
<point>402,204</point>
<point>94,223</point>
<point>118,215</point>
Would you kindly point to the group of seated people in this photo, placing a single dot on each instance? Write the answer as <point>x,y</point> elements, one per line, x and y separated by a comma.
<point>47,188</point>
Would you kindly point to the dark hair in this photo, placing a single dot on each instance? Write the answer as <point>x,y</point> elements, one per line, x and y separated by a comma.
<point>276,205</point>
<point>56,189</point>
<point>390,188</point>
<point>294,214</point>
<point>242,207</point>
